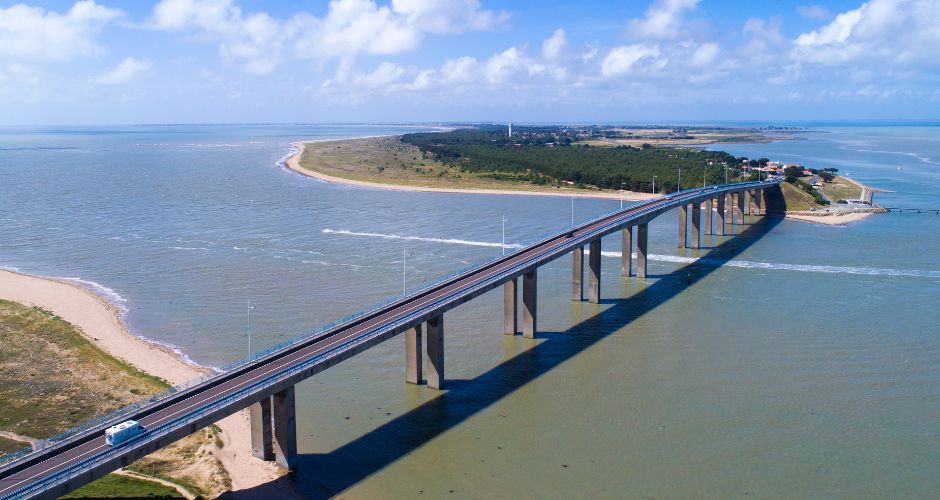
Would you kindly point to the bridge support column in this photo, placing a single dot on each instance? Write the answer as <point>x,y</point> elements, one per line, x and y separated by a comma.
<point>740,199</point>
<point>683,230</point>
<point>758,201</point>
<point>529,303</point>
<point>642,231</point>
<point>262,445</point>
<point>436,352</point>
<point>413,355</point>
<point>510,304</point>
<point>285,428</point>
<point>577,274</point>
<point>747,202</point>
<point>720,223</point>
<point>696,225</point>
<point>594,274</point>
<point>709,208</point>
<point>626,259</point>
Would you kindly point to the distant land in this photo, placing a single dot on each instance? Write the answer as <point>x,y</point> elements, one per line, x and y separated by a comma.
<point>589,161</point>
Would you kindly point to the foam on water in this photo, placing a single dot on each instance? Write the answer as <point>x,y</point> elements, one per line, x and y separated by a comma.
<point>446,241</point>
<point>775,266</point>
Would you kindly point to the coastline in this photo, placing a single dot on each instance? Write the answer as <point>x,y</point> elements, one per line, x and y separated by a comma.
<point>101,323</point>
<point>293,163</point>
<point>832,220</point>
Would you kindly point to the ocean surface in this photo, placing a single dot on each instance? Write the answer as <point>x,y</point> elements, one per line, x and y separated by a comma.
<point>794,360</point>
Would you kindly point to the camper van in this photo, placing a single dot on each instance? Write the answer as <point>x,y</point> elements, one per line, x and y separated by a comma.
<point>125,431</point>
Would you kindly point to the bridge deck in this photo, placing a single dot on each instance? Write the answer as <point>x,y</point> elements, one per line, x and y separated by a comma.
<point>87,456</point>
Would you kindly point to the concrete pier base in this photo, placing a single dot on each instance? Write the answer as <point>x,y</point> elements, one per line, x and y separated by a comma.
<point>436,352</point>
<point>626,259</point>
<point>720,212</point>
<point>262,440</point>
<point>758,201</point>
<point>696,225</point>
<point>683,224</point>
<point>283,413</point>
<point>748,204</point>
<point>709,209</point>
<point>642,232</point>
<point>510,304</point>
<point>594,272</point>
<point>413,356</point>
<point>577,274</point>
<point>529,303</point>
<point>739,218</point>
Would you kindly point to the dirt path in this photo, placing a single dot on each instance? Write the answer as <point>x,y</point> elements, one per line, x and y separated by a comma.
<point>182,491</point>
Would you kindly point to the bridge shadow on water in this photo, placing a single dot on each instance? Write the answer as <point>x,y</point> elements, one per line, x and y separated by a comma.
<point>326,475</point>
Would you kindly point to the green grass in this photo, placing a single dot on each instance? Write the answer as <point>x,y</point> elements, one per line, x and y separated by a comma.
<point>789,197</point>
<point>53,378</point>
<point>115,486</point>
<point>10,445</point>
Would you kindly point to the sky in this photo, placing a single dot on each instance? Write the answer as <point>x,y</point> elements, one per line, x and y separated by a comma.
<point>556,61</point>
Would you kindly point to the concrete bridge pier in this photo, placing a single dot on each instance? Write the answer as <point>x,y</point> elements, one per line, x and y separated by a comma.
<point>435,348</point>
<point>696,225</point>
<point>413,356</point>
<point>739,219</point>
<point>626,258</point>
<point>758,201</point>
<point>594,272</point>
<point>683,224</point>
<point>720,223</point>
<point>709,208</point>
<point>529,303</point>
<point>748,202</point>
<point>577,274</point>
<point>510,305</point>
<point>642,231</point>
<point>262,445</point>
<point>284,417</point>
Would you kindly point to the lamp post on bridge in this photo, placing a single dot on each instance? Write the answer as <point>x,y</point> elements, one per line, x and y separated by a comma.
<point>654,184</point>
<point>249,328</point>
<point>622,184</point>
<point>503,246</point>
<point>679,180</point>
<point>704,174</point>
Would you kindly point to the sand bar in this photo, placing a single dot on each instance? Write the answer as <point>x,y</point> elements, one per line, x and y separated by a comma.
<point>833,220</point>
<point>102,324</point>
<point>293,163</point>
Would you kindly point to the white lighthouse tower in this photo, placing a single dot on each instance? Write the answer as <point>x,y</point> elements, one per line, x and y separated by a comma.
<point>510,130</point>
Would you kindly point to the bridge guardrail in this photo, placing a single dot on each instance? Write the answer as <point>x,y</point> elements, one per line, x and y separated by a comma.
<point>10,459</point>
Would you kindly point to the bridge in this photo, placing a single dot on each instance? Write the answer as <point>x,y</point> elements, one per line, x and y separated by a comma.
<point>264,383</point>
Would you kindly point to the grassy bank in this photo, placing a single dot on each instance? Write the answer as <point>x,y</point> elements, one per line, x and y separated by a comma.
<point>10,445</point>
<point>386,160</point>
<point>52,378</point>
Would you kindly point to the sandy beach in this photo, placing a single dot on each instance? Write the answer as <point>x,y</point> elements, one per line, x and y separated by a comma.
<point>102,324</point>
<point>832,220</point>
<point>293,163</point>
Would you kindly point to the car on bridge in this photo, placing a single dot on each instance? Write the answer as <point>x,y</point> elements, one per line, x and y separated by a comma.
<point>123,432</point>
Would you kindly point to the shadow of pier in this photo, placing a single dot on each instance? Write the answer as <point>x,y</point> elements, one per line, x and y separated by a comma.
<point>326,475</point>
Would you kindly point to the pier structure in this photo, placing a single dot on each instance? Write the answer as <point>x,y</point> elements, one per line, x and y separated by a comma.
<point>265,382</point>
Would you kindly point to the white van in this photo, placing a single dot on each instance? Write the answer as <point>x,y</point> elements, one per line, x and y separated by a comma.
<point>122,432</point>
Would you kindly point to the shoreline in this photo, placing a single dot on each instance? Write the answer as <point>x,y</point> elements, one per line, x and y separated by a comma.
<point>101,323</point>
<point>832,220</point>
<point>292,162</point>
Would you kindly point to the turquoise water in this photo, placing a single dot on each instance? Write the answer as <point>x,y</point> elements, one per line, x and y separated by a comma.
<point>793,360</point>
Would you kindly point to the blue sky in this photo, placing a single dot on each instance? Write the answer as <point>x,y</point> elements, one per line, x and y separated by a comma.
<point>211,61</point>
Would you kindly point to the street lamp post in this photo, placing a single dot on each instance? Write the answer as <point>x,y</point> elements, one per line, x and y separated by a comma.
<point>679,180</point>
<point>704,174</point>
<point>654,184</point>
<point>621,194</point>
<point>503,246</point>
<point>249,328</point>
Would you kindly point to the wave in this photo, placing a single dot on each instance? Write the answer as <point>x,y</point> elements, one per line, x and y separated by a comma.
<point>446,241</point>
<point>109,294</point>
<point>920,157</point>
<point>744,264</point>
<point>189,248</point>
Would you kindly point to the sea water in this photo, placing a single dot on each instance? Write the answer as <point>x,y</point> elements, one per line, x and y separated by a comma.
<point>792,360</point>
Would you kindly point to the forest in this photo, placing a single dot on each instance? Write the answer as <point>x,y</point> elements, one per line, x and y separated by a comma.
<point>552,155</point>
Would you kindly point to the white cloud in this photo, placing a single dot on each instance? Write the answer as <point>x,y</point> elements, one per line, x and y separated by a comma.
<point>124,72</point>
<point>35,33</point>
<point>662,20</point>
<point>813,11</point>
<point>552,47</point>
<point>349,28</point>
<point>622,59</point>
<point>705,54</point>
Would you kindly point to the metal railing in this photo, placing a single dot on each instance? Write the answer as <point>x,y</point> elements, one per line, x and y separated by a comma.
<point>10,460</point>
